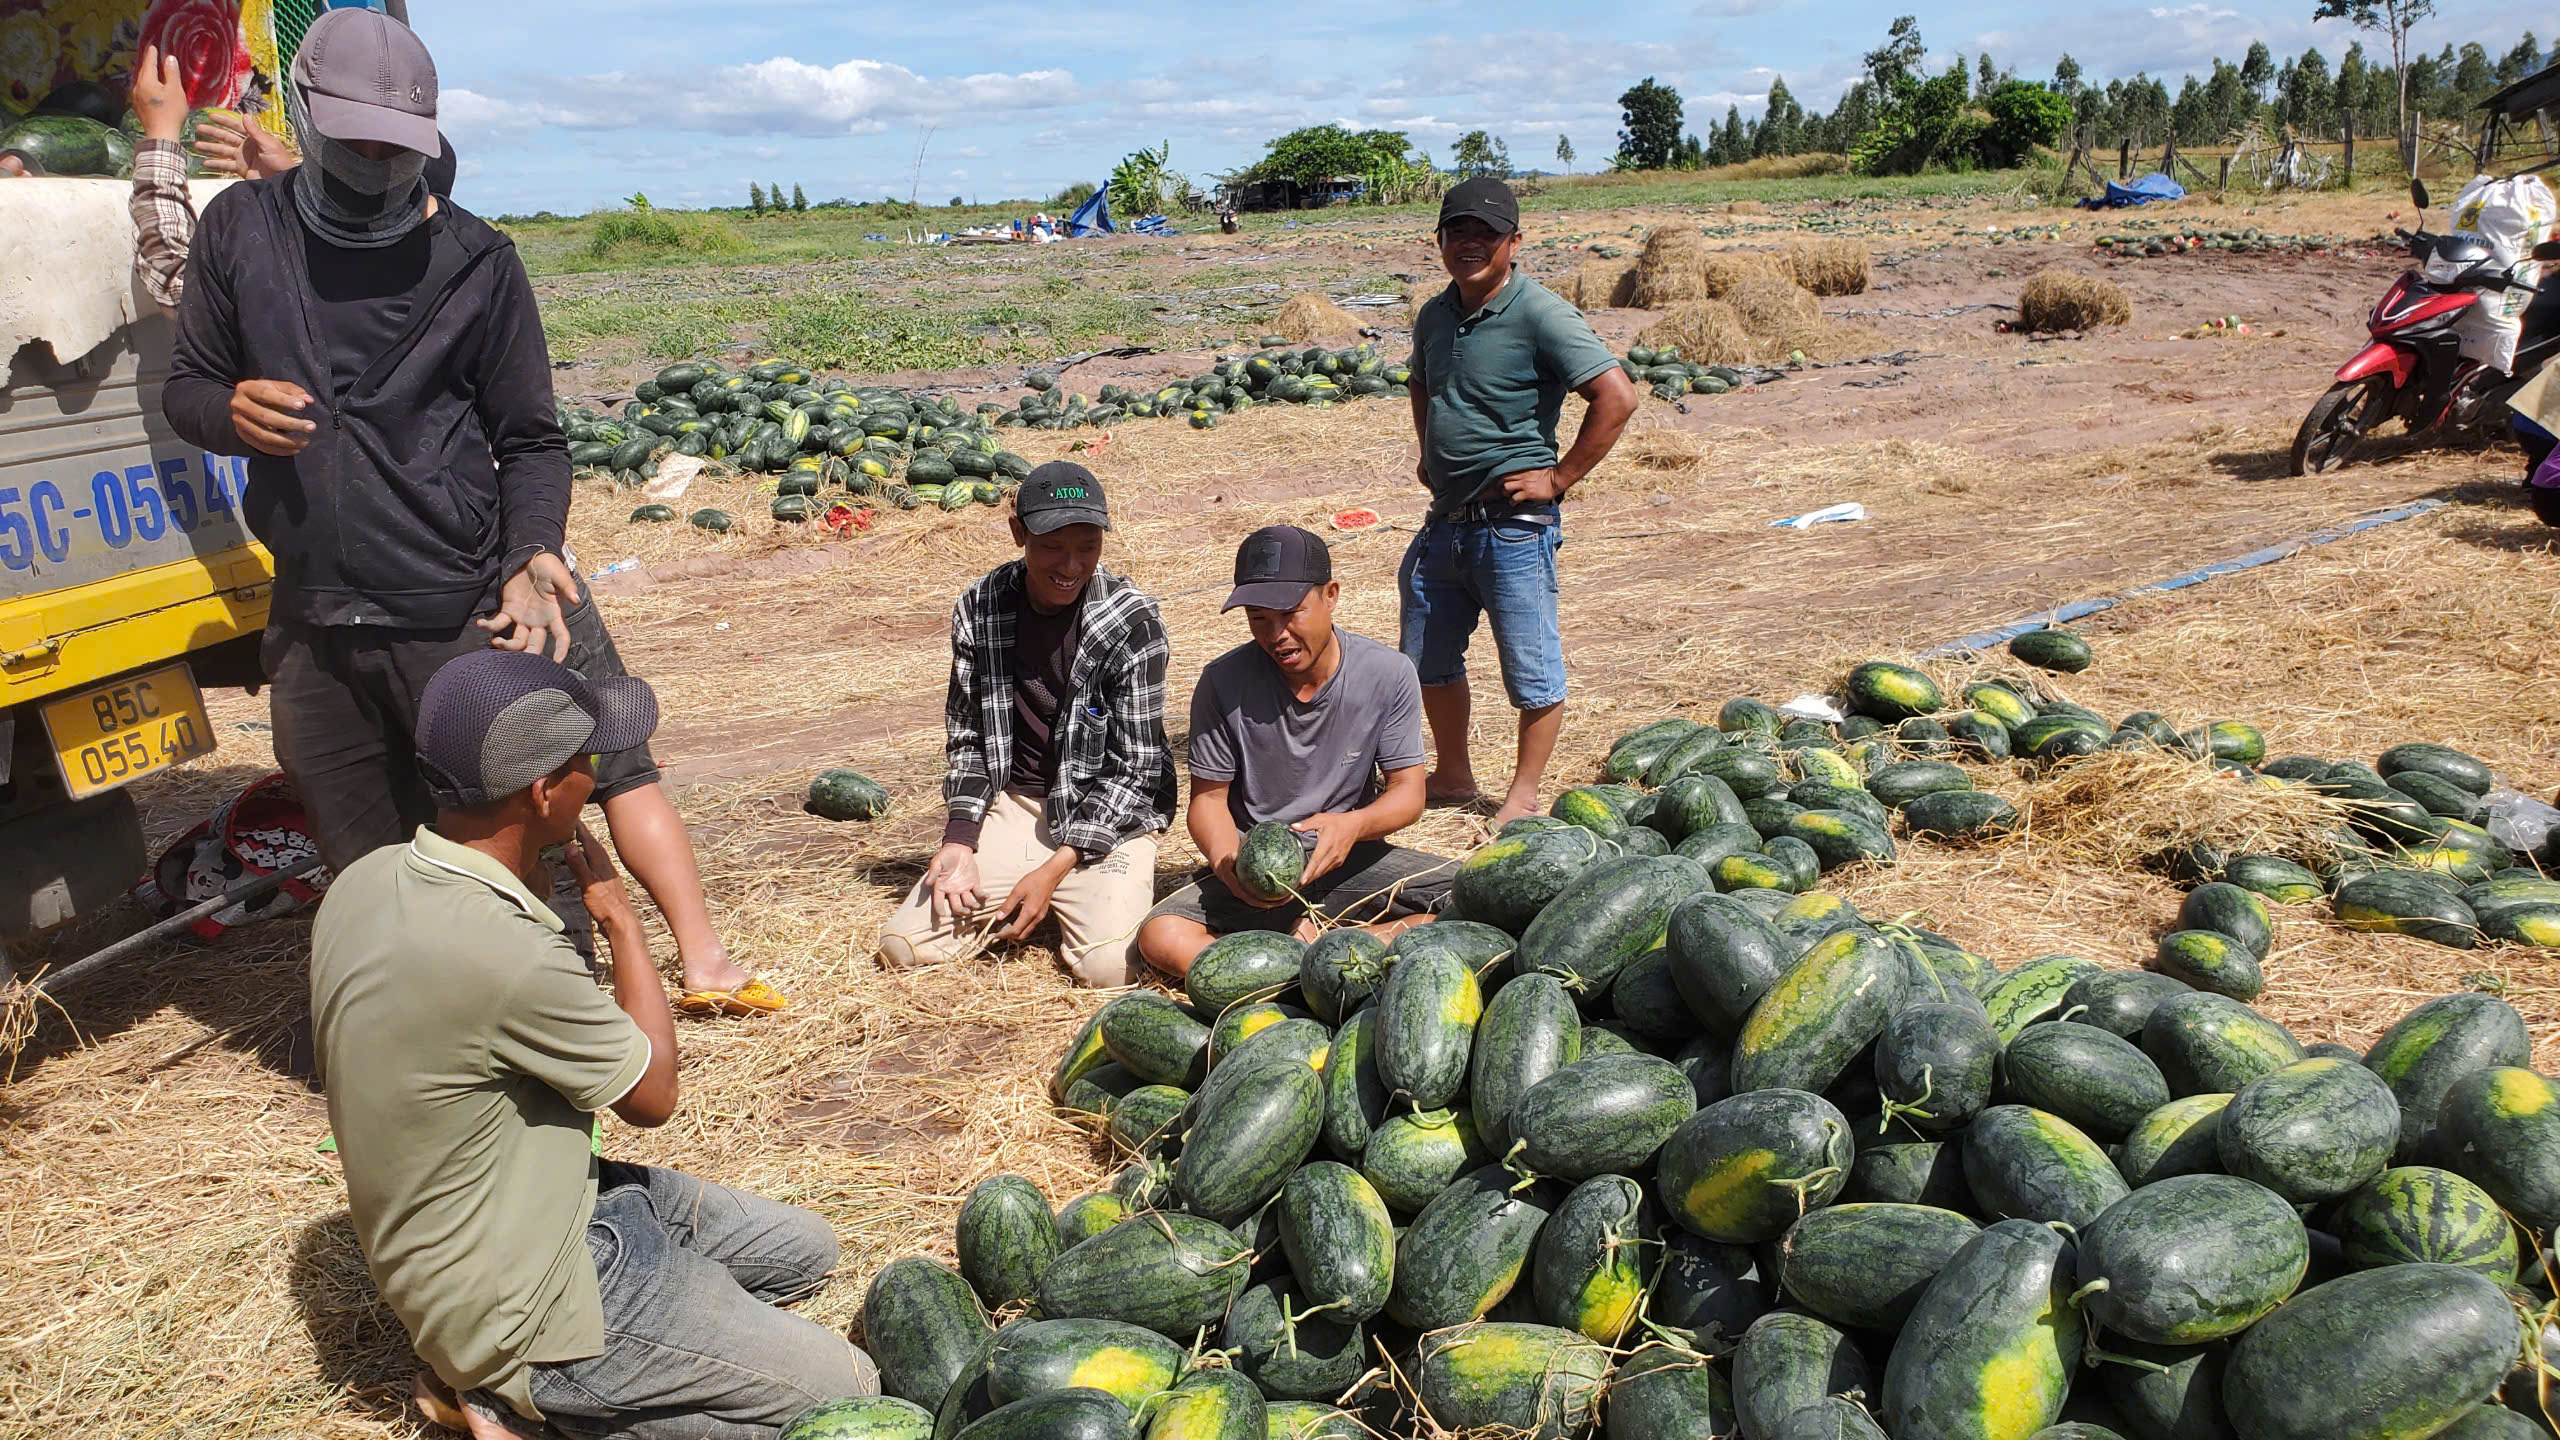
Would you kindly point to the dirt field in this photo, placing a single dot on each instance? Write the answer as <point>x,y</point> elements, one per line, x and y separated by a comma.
<point>174,1254</point>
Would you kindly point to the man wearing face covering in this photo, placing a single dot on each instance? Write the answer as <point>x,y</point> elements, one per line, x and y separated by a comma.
<point>377,354</point>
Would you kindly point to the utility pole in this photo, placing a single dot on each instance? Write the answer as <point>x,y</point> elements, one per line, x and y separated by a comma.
<point>915,178</point>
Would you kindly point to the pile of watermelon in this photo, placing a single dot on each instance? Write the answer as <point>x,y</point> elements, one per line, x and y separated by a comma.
<point>1668,377</point>
<point>1277,373</point>
<point>1652,1136</point>
<point>818,434</point>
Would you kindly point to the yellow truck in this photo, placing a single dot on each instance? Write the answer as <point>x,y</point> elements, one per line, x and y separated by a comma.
<point>128,583</point>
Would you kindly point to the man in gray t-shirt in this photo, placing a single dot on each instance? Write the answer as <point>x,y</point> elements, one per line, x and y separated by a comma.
<point>1318,729</point>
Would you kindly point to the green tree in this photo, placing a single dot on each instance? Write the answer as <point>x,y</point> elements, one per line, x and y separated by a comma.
<point>1315,153</point>
<point>2066,76</point>
<point>755,197</point>
<point>2394,18</point>
<point>2257,71</point>
<point>2308,101</point>
<point>1478,154</point>
<point>773,197</point>
<point>799,201</point>
<point>1781,122</point>
<point>2223,97</point>
<point>1564,151</point>
<point>2473,76</point>
<point>1985,77</point>
<point>2523,60</point>
<point>2024,115</point>
<point>1652,115</point>
<point>2191,119</point>
<point>1737,144</point>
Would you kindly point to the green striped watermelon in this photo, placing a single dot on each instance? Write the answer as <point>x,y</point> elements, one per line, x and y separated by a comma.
<point>2190,1259</point>
<point>2416,1213</point>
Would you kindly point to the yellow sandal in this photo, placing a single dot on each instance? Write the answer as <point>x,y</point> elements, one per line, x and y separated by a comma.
<point>753,998</point>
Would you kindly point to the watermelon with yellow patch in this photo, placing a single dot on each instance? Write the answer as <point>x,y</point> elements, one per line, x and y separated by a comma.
<point>1991,1345</point>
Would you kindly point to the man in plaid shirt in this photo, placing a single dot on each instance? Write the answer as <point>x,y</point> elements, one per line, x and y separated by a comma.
<point>1057,772</point>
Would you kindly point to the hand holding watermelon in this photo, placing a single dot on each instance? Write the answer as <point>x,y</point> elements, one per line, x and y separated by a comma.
<point>1336,832</point>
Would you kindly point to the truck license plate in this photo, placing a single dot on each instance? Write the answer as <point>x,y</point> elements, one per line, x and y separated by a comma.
<point>111,734</point>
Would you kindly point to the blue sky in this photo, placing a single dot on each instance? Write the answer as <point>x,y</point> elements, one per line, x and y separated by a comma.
<point>572,106</point>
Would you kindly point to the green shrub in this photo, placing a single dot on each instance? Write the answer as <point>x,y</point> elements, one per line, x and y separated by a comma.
<point>656,232</point>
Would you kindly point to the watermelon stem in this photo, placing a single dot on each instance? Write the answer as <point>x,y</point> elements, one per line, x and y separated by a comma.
<point>2093,1354</point>
<point>1893,1107</point>
<point>1511,1162</point>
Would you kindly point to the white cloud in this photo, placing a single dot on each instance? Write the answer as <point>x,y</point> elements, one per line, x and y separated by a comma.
<point>780,96</point>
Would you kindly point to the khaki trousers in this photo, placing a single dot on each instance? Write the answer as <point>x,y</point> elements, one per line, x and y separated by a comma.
<point>1098,906</point>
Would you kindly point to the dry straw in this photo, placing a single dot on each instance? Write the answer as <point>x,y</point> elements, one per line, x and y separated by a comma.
<point>2131,808</point>
<point>1708,332</point>
<point>1602,284</point>
<point>1829,265</point>
<point>2069,300</point>
<point>1721,271</point>
<point>1745,207</point>
<point>1309,318</point>
<point>1669,272</point>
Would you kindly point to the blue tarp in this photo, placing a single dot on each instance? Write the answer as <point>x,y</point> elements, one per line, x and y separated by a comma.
<point>1093,217</point>
<point>2150,187</point>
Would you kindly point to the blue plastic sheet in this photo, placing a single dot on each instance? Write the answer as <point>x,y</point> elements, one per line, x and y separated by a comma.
<point>2150,187</point>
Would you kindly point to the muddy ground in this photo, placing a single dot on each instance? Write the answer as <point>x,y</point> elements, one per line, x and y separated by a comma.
<point>173,1251</point>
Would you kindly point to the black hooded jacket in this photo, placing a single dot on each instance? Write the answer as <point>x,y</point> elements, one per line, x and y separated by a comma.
<point>434,475</point>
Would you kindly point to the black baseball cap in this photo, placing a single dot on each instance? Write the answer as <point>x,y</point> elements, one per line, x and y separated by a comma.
<point>1059,494</point>
<point>1276,566</point>
<point>494,721</point>
<point>1483,198</point>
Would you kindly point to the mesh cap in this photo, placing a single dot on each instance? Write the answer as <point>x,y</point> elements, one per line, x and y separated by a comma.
<point>494,721</point>
<point>1276,566</point>
<point>366,76</point>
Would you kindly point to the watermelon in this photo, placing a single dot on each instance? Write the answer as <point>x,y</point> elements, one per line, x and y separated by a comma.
<point>1147,1122</point>
<point>2210,1044</point>
<point>2052,649</point>
<point>2230,910</point>
<point>1339,1237</point>
<point>2441,762</point>
<point>1173,1274</point>
<point>1155,1039</point>
<point>1078,1414</point>
<point>1091,1095</point>
<point>1242,1146</point>
<point>1600,1116</point>
<point>1355,1099</point>
<point>1834,1417</point>
<point>1742,1170</point>
<point>1269,859</point>
<point>1692,804</point>
<point>1240,1024</point>
<point>2439,796</point>
<point>2183,1137</point>
<point>2311,1131</point>
<point>923,1326</point>
<point>2190,1259</point>
<point>1904,781</point>
<point>862,1417</point>
<point>1665,1391</point>
<point>1529,1031</point>
<point>1508,880</point>
<point>1246,966</point>
<point>71,145</point>
<point>1466,1249</point>
<point>1210,1404</point>
<point>1936,1064</point>
<point>2274,878</point>
<point>1991,1346</point>
<point>1310,1420</point>
<point>1908,1172</point>
<point>1592,808</point>
<point>846,795</point>
<point>1414,1156</point>
<point>2025,1164</point>
<point>1427,1012</point>
<point>2032,992</point>
<point>1841,837</point>
<point>1684,755</point>
<point>2119,1001</point>
<point>1637,750</point>
<point>2054,737</point>
<point>2401,903</point>
<point>1742,714</point>
<point>1787,1361</point>
<point>1863,1267</point>
<point>1960,814</point>
<point>2427,1051</point>
<point>1889,692</point>
<point>1086,1216</point>
<point>2398,1351</point>
<point>1587,1273</point>
<point>2095,1080</point>
<point>1596,924</point>
<point>1289,1353</point>
<point>2419,1214</point>
<point>1340,970</point>
<point>1007,1237</point>
<point>1723,959</point>
<point>1037,1357</point>
<point>1530,1380</point>
<point>2210,960</point>
<point>1814,1021</point>
<point>2501,1127</point>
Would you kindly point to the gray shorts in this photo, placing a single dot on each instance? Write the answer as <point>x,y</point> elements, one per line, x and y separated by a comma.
<point>591,654</point>
<point>1376,881</point>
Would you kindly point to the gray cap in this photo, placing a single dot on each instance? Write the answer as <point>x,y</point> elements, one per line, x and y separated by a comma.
<point>366,76</point>
<point>1059,494</point>
<point>494,721</point>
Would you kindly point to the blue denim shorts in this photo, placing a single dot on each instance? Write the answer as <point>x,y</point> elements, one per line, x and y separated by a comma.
<point>1501,569</point>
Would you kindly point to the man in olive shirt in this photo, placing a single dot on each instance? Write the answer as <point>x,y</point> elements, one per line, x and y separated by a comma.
<point>464,1046</point>
<point>1493,356</point>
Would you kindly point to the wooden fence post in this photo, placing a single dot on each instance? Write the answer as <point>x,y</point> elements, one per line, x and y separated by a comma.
<point>2347,120</point>
<point>2169,158</point>
<point>2124,159</point>
<point>2225,182</point>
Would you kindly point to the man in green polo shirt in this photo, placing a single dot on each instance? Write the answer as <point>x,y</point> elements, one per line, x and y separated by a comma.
<point>465,1046</point>
<point>1493,356</point>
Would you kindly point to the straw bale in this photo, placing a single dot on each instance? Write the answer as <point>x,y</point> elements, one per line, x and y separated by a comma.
<point>1669,272</point>
<point>1311,317</point>
<point>2069,300</point>
<point>1745,207</point>
<point>1829,265</point>
<point>2129,808</point>
<point>1603,284</point>
<point>1772,307</point>
<point>1725,269</point>
<point>1708,332</point>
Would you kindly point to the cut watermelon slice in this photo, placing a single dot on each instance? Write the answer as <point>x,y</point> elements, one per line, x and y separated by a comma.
<point>1362,519</point>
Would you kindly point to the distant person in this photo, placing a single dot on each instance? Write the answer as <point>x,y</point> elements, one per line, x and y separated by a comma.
<point>1318,729</point>
<point>1058,773</point>
<point>1485,412</point>
<point>464,1047</point>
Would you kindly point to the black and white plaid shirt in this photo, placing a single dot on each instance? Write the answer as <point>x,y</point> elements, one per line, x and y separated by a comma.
<point>1115,770</point>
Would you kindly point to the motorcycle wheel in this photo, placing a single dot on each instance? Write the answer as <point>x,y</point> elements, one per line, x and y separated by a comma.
<point>2337,423</point>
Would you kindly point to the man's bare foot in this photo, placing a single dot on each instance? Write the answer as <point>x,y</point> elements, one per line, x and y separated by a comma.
<point>435,1400</point>
<point>1514,809</point>
<point>1446,789</point>
<point>712,972</point>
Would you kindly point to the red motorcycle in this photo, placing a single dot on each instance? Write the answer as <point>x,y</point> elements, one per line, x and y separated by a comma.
<point>2414,369</point>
